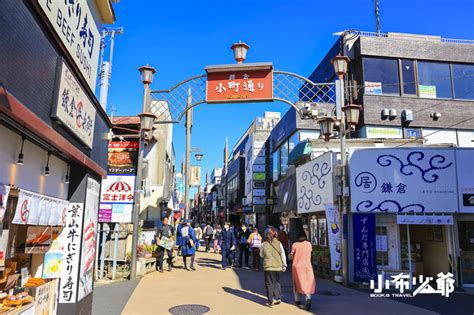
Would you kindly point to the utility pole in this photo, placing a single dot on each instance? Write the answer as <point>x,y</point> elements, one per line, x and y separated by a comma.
<point>226,161</point>
<point>189,122</point>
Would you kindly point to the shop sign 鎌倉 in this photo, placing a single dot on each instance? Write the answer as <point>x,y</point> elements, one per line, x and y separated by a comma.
<point>403,180</point>
<point>334,235</point>
<point>89,234</point>
<point>71,238</point>
<point>365,267</point>
<point>74,24</point>
<point>73,108</point>
<point>314,184</point>
<point>239,85</point>
<point>123,156</point>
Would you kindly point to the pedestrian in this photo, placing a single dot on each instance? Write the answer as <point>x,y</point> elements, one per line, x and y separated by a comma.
<point>208,232</point>
<point>178,235</point>
<point>243,237</point>
<point>198,232</point>
<point>227,245</point>
<point>304,283</point>
<point>217,239</point>
<point>283,238</point>
<point>255,242</point>
<point>188,243</point>
<point>274,263</point>
<point>164,232</point>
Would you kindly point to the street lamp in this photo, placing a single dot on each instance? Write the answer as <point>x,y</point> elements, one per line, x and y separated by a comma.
<point>326,124</point>
<point>146,124</point>
<point>340,64</point>
<point>352,112</point>
<point>240,51</point>
<point>198,156</point>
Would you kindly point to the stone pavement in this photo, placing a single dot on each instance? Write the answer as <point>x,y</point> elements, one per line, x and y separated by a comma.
<point>239,291</point>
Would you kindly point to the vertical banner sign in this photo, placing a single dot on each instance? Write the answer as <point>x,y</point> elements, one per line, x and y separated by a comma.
<point>334,228</point>
<point>195,179</point>
<point>86,272</point>
<point>363,229</point>
<point>74,24</point>
<point>71,237</point>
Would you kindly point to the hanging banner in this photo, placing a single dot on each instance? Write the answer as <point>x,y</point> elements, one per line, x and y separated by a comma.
<point>195,179</point>
<point>71,237</point>
<point>363,230</point>
<point>36,209</point>
<point>334,236</point>
<point>86,272</point>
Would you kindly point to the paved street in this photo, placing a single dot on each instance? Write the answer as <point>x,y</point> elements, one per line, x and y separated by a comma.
<point>238,291</point>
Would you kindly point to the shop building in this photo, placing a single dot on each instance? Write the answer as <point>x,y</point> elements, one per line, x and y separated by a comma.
<point>54,148</point>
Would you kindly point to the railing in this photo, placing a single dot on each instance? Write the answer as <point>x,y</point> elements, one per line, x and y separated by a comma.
<point>442,39</point>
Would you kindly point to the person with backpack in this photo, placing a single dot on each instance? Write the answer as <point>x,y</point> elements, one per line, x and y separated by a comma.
<point>255,242</point>
<point>274,263</point>
<point>243,236</point>
<point>208,232</point>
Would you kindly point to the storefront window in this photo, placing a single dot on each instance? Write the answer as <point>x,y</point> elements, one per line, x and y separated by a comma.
<point>294,139</point>
<point>381,76</point>
<point>466,245</point>
<point>283,158</point>
<point>463,79</point>
<point>408,77</point>
<point>434,80</point>
<point>276,164</point>
<point>381,241</point>
<point>322,232</point>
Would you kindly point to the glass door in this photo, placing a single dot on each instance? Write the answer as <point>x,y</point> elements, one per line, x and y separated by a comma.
<point>466,244</point>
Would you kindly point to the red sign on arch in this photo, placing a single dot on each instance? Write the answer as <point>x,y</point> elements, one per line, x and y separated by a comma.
<point>239,83</point>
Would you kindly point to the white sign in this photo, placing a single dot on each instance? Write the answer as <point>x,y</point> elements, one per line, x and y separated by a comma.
<point>75,26</point>
<point>36,209</point>
<point>258,192</point>
<point>195,179</point>
<point>403,180</point>
<point>382,133</point>
<point>373,87</point>
<point>71,238</point>
<point>425,219</point>
<point>258,168</point>
<point>427,91</point>
<point>117,189</point>
<point>465,175</point>
<point>91,208</point>
<point>334,236</point>
<point>73,107</point>
<point>381,243</point>
<point>314,183</point>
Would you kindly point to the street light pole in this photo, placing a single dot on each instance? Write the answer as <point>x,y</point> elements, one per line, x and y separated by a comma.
<point>189,121</point>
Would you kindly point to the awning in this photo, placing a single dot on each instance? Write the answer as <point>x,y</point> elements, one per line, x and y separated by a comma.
<point>286,193</point>
<point>302,148</point>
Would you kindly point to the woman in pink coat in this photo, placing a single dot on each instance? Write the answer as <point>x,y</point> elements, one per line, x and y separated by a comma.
<point>304,283</point>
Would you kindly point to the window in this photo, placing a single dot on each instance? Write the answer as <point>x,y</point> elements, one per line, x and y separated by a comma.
<point>381,76</point>
<point>381,241</point>
<point>276,164</point>
<point>283,158</point>
<point>463,79</point>
<point>434,80</point>
<point>293,141</point>
<point>408,77</point>
<point>322,232</point>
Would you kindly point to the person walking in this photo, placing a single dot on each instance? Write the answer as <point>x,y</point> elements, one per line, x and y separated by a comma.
<point>304,283</point>
<point>283,238</point>
<point>255,242</point>
<point>208,232</point>
<point>227,246</point>
<point>243,237</point>
<point>217,239</point>
<point>164,231</point>
<point>274,263</point>
<point>188,244</point>
<point>179,225</point>
<point>198,232</point>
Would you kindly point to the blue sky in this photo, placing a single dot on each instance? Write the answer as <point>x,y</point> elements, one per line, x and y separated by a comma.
<point>179,38</point>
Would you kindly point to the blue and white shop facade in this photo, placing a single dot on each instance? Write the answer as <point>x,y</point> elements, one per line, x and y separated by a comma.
<point>412,210</point>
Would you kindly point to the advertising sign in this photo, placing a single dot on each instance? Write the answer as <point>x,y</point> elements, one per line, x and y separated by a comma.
<point>363,227</point>
<point>71,238</point>
<point>425,219</point>
<point>403,180</point>
<point>195,179</point>
<point>86,271</point>
<point>314,184</point>
<point>334,235</point>
<point>239,85</point>
<point>259,192</point>
<point>465,175</point>
<point>258,168</point>
<point>382,133</point>
<point>123,157</point>
<point>73,108</point>
<point>373,88</point>
<point>259,184</point>
<point>38,239</point>
<point>259,176</point>
<point>259,200</point>
<point>427,91</point>
<point>74,24</point>
<point>117,189</point>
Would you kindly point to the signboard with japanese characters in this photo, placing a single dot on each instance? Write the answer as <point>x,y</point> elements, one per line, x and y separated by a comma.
<point>465,176</point>
<point>123,156</point>
<point>71,237</point>
<point>334,235</point>
<point>363,228</point>
<point>89,234</point>
<point>314,184</point>
<point>73,108</point>
<point>240,84</point>
<point>74,24</point>
<point>195,178</point>
<point>117,189</point>
<point>403,180</point>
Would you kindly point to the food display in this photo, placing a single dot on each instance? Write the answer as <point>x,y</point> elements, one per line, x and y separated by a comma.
<point>34,282</point>
<point>17,300</point>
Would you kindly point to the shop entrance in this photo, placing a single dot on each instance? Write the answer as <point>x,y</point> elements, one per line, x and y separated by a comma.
<point>424,249</point>
<point>466,246</point>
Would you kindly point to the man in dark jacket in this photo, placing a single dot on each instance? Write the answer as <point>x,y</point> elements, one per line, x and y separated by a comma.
<point>242,238</point>
<point>208,231</point>
<point>167,231</point>
<point>227,239</point>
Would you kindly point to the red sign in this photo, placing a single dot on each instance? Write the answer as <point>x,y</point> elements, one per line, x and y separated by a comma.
<point>239,84</point>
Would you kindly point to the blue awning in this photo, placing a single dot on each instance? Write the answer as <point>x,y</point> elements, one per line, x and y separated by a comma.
<point>302,148</point>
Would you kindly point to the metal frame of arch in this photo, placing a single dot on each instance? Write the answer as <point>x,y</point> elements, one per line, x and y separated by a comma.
<point>171,105</point>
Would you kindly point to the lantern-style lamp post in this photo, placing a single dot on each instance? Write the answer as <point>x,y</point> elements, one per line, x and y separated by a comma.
<point>240,51</point>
